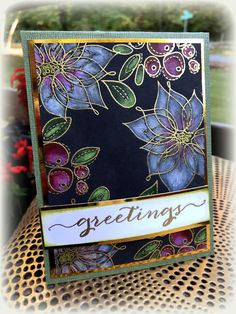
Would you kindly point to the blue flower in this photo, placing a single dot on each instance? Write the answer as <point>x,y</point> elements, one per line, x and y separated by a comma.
<point>174,138</point>
<point>84,258</point>
<point>68,76</point>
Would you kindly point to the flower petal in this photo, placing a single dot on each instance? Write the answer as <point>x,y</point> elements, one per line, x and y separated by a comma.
<point>80,266</point>
<point>182,101</point>
<point>91,71</point>
<point>100,55</point>
<point>79,75</point>
<point>73,103</point>
<point>176,111</point>
<point>179,178</point>
<point>72,51</point>
<point>154,149</point>
<point>196,107</point>
<point>56,51</point>
<point>201,165</point>
<point>161,109</point>
<point>92,256</point>
<point>162,98</point>
<point>195,161</point>
<point>178,97</point>
<point>162,163</point>
<point>87,97</point>
<point>190,158</point>
<point>106,262</point>
<point>65,269</point>
<point>68,89</point>
<point>44,49</point>
<point>199,138</point>
<point>77,96</point>
<point>146,128</point>
<point>39,57</point>
<point>48,98</point>
<point>159,145</point>
<point>70,46</point>
<point>95,96</point>
<point>91,63</point>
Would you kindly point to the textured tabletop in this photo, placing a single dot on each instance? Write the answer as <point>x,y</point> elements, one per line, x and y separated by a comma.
<point>202,284</point>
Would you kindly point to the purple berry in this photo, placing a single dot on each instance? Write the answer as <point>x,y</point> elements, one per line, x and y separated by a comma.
<point>152,66</point>
<point>167,250</point>
<point>181,238</point>
<point>82,172</point>
<point>60,179</point>
<point>174,66</point>
<point>160,49</point>
<point>81,187</point>
<point>186,249</point>
<point>201,246</point>
<point>194,66</point>
<point>55,154</point>
<point>188,51</point>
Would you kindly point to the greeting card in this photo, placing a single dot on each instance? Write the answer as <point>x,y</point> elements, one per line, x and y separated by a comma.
<point>121,143</point>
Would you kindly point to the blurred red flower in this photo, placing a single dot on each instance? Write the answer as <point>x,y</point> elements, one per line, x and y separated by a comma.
<point>18,169</point>
<point>9,169</point>
<point>22,149</point>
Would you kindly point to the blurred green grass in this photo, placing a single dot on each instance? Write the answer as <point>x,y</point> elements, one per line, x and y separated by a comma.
<point>220,95</point>
<point>220,88</point>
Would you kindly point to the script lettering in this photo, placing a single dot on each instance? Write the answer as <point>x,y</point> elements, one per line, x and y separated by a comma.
<point>129,214</point>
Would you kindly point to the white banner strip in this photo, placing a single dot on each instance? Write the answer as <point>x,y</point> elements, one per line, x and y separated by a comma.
<point>124,220</point>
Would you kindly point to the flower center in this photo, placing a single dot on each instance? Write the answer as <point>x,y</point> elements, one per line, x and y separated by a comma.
<point>182,136</point>
<point>49,68</point>
<point>66,258</point>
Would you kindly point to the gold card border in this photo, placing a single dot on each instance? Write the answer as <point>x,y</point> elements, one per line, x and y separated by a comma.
<point>36,103</point>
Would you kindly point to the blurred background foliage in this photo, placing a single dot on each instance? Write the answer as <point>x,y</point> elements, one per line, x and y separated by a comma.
<point>123,17</point>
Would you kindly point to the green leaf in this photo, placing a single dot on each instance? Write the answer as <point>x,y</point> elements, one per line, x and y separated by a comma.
<point>122,49</point>
<point>201,236</point>
<point>85,156</point>
<point>129,66</point>
<point>155,254</point>
<point>121,93</point>
<point>150,191</point>
<point>18,191</point>
<point>55,128</point>
<point>139,75</point>
<point>100,194</point>
<point>147,249</point>
<point>21,193</point>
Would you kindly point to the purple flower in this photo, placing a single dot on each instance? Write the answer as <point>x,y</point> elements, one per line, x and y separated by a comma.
<point>68,76</point>
<point>174,138</point>
<point>84,258</point>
